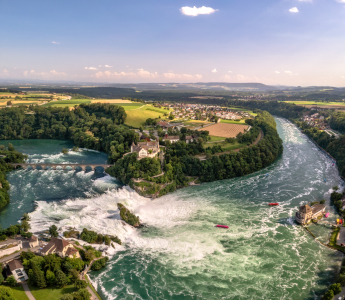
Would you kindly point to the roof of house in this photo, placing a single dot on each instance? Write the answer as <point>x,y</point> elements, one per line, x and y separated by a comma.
<point>172,137</point>
<point>145,145</point>
<point>33,238</point>
<point>162,123</point>
<point>71,251</point>
<point>15,264</point>
<point>188,137</point>
<point>55,244</point>
<point>305,209</point>
<point>317,207</point>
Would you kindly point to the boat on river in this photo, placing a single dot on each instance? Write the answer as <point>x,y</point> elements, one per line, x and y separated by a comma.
<point>273,204</point>
<point>222,226</point>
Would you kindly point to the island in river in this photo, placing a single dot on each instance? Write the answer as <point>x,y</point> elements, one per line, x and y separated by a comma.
<point>179,254</point>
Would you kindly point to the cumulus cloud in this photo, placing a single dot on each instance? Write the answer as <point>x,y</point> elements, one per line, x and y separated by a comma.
<point>55,42</point>
<point>43,74</point>
<point>141,73</point>
<point>293,10</point>
<point>341,1</point>
<point>196,11</point>
<point>53,72</point>
<point>107,66</point>
<point>288,72</point>
<point>230,71</point>
<point>90,68</point>
<point>305,0</point>
<point>277,72</point>
<point>174,76</point>
<point>214,70</point>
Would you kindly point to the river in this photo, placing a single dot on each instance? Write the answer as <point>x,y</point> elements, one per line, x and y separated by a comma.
<point>179,254</point>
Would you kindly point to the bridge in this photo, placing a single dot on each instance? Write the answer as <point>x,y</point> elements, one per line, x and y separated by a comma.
<point>63,166</point>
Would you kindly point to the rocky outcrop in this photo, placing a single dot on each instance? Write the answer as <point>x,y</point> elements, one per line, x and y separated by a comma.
<point>128,217</point>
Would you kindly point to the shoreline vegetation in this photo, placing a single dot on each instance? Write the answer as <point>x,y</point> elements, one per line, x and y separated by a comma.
<point>100,126</point>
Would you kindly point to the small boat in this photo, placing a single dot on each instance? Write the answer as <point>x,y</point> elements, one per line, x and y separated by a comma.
<point>325,180</point>
<point>326,215</point>
<point>267,174</point>
<point>273,204</point>
<point>222,226</point>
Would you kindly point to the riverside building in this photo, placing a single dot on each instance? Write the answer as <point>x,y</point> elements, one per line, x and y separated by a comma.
<point>308,213</point>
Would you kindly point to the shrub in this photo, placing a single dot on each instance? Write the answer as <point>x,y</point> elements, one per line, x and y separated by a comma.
<point>336,288</point>
<point>328,295</point>
<point>11,281</point>
<point>99,264</point>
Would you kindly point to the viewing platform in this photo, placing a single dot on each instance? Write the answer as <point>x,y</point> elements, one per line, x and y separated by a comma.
<point>63,166</point>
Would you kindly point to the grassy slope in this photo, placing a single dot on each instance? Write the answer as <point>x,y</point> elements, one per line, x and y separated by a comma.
<point>18,293</point>
<point>225,146</point>
<point>51,293</point>
<point>137,117</point>
<point>233,122</point>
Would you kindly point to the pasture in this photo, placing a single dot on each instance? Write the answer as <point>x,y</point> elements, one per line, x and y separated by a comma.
<point>225,130</point>
<point>319,104</point>
<point>242,121</point>
<point>137,117</point>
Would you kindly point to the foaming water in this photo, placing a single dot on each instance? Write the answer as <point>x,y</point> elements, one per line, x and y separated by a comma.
<point>179,254</point>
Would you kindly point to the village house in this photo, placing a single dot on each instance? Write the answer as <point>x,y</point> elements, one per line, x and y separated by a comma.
<point>146,149</point>
<point>61,247</point>
<point>307,213</point>
<point>33,241</point>
<point>189,139</point>
<point>172,138</point>
<point>15,268</point>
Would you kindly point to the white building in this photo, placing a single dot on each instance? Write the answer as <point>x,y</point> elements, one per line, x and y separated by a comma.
<point>146,149</point>
<point>15,268</point>
<point>9,247</point>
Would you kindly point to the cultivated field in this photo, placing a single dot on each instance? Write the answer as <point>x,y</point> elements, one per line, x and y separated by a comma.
<point>113,101</point>
<point>309,104</point>
<point>225,130</point>
<point>136,117</point>
<point>242,121</point>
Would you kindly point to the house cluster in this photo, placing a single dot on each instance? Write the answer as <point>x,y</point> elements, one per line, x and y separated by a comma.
<point>308,213</point>
<point>315,120</point>
<point>57,246</point>
<point>204,112</point>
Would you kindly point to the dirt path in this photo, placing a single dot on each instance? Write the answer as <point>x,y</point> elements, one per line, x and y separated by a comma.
<point>27,291</point>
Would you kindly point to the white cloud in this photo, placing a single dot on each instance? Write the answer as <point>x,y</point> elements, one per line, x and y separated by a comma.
<point>288,72</point>
<point>293,10</point>
<point>214,70</point>
<point>341,1</point>
<point>174,76</point>
<point>53,72</point>
<point>100,65</point>
<point>230,71</point>
<point>141,73</point>
<point>305,0</point>
<point>90,68</point>
<point>108,66</point>
<point>195,11</point>
<point>342,77</point>
<point>55,42</point>
<point>277,72</point>
<point>25,73</point>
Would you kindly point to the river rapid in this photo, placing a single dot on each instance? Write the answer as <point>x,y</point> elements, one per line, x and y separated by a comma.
<point>179,254</point>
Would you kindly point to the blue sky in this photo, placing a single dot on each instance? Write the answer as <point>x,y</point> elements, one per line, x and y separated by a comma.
<point>290,42</point>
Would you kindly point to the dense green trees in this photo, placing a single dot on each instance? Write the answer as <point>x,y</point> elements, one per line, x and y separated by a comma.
<point>94,126</point>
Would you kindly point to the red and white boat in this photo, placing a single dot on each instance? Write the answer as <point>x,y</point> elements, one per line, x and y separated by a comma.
<point>222,226</point>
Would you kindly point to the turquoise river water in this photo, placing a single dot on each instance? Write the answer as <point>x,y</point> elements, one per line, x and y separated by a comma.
<point>179,254</point>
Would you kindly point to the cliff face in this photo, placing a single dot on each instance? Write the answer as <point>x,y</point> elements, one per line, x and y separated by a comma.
<point>127,216</point>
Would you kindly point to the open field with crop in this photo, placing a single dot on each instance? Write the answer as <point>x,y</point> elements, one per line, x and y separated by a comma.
<point>225,146</point>
<point>69,103</point>
<point>320,104</point>
<point>242,121</point>
<point>195,123</point>
<point>137,117</point>
<point>242,109</point>
<point>113,101</point>
<point>18,102</point>
<point>225,130</point>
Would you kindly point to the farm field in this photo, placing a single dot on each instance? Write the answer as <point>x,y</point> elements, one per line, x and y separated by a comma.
<point>242,121</point>
<point>243,109</point>
<point>113,101</point>
<point>137,117</point>
<point>225,146</point>
<point>225,130</point>
<point>69,103</point>
<point>313,103</point>
<point>195,123</point>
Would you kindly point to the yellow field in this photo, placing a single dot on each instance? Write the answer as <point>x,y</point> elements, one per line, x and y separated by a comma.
<point>4,103</point>
<point>225,130</point>
<point>111,101</point>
